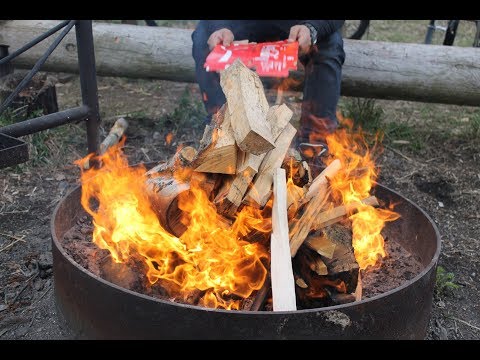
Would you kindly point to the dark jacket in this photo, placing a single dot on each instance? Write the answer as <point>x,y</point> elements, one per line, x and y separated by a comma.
<point>324,27</point>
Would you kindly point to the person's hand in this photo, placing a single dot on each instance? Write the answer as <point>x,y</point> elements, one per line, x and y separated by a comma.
<point>300,33</point>
<point>223,36</point>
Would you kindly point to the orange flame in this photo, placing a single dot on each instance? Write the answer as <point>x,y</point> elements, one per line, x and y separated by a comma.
<point>353,184</point>
<point>210,262</point>
<point>169,138</point>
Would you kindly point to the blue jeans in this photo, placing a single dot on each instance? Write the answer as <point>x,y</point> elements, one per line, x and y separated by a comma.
<point>323,72</point>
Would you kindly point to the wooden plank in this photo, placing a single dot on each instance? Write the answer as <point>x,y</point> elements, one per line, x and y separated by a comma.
<point>248,107</point>
<point>283,284</point>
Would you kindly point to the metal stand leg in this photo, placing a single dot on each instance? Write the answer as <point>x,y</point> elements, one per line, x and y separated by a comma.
<point>430,30</point>
<point>476,41</point>
<point>88,81</point>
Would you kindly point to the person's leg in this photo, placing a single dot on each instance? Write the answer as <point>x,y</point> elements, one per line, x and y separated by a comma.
<point>323,73</point>
<point>209,82</point>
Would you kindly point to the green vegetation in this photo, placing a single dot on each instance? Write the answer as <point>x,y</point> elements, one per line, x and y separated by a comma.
<point>445,284</point>
<point>189,113</point>
<point>364,112</point>
<point>43,146</point>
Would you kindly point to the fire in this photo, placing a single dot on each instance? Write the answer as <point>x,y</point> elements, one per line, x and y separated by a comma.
<point>354,184</point>
<point>168,138</point>
<point>215,265</point>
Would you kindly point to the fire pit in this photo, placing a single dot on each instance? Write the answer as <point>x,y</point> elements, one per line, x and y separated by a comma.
<point>97,309</point>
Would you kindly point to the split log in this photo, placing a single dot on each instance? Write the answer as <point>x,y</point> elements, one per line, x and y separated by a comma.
<point>338,213</point>
<point>115,134</point>
<point>321,244</point>
<point>299,229</point>
<point>319,266</point>
<point>181,159</point>
<point>295,195</point>
<point>321,181</point>
<point>205,181</point>
<point>283,285</point>
<point>113,137</point>
<point>248,107</point>
<point>343,264</point>
<point>262,184</point>
<point>218,151</point>
<point>297,169</point>
<point>359,290</point>
<point>233,194</point>
<point>301,283</point>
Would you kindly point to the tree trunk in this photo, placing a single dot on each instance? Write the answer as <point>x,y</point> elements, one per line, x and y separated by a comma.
<point>418,72</point>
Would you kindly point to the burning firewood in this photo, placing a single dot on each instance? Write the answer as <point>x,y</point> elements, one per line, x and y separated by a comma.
<point>248,165</point>
<point>115,134</point>
<point>261,191</point>
<point>343,264</point>
<point>248,108</point>
<point>300,228</point>
<point>218,151</point>
<point>180,160</point>
<point>237,165</point>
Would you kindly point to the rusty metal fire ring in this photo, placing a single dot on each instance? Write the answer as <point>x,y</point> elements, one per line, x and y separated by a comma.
<point>97,309</point>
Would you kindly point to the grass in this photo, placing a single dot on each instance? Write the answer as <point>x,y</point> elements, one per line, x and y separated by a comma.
<point>44,147</point>
<point>189,112</point>
<point>445,282</point>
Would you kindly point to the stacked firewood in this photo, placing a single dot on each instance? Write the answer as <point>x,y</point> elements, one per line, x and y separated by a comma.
<point>245,158</point>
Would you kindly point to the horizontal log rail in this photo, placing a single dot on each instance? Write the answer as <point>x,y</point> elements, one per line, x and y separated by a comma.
<point>374,69</point>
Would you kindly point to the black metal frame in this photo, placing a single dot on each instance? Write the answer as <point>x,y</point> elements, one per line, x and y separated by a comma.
<point>89,110</point>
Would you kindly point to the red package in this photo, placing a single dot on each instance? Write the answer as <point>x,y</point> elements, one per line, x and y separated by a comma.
<point>268,59</point>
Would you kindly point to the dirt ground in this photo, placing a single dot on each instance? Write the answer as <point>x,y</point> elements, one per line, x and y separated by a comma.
<point>443,178</point>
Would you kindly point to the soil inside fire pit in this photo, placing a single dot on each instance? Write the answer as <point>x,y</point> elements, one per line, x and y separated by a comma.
<point>392,271</point>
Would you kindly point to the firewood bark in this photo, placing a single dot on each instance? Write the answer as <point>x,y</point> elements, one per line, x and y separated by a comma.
<point>248,108</point>
<point>283,285</point>
<point>163,193</point>
<point>115,134</point>
<point>218,151</point>
<point>299,229</point>
<point>181,159</point>
<point>262,184</point>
